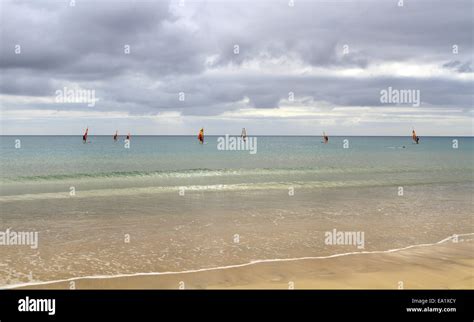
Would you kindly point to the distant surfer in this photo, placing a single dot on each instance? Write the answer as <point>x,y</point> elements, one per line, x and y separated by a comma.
<point>128,136</point>
<point>201,136</point>
<point>415,137</point>
<point>84,137</point>
<point>116,136</point>
<point>325,138</point>
<point>244,134</point>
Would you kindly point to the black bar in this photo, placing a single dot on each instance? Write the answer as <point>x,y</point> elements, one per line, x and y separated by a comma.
<point>290,305</point>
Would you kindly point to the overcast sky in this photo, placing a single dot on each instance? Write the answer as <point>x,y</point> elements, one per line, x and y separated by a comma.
<point>299,70</point>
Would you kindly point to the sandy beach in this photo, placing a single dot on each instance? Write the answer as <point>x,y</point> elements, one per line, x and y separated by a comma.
<point>224,222</point>
<point>262,160</point>
<point>447,265</point>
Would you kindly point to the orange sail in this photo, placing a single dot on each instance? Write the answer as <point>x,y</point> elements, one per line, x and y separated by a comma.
<point>201,136</point>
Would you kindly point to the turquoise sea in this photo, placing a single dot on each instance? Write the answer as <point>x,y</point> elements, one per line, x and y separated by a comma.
<point>47,163</point>
<point>182,204</point>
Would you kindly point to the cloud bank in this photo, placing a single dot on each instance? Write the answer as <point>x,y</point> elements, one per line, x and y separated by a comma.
<point>171,67</point>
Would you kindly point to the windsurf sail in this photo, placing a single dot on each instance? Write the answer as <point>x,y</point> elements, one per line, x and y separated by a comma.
<point>325,138</point>
<point>201,136</point>
<point>116,136</point>
<point>84,137</point>
<point>415,137</point>
<point>244,134</point>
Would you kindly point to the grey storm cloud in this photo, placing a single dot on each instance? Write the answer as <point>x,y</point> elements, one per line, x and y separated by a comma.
<point>174,49</point>
<point>459,66</point>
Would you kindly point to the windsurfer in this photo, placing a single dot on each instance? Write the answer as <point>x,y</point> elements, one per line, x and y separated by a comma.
<point>84,137</point>
<point>244,134</point>
<point>201,136</point>
<point>325,138</point>
<point>415,137</point>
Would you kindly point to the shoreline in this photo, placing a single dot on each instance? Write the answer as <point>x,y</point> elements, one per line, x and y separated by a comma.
<point>444,264</point>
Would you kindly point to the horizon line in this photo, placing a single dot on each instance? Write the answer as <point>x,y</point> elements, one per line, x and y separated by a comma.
<point>263,135</point>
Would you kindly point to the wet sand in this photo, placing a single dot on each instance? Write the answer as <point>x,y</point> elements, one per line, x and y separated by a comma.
<point>172,233</point>
<point>447,265</point>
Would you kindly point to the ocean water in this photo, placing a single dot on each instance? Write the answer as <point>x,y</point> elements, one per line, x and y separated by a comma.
<point>189,206</point>
<point>51,163</point>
